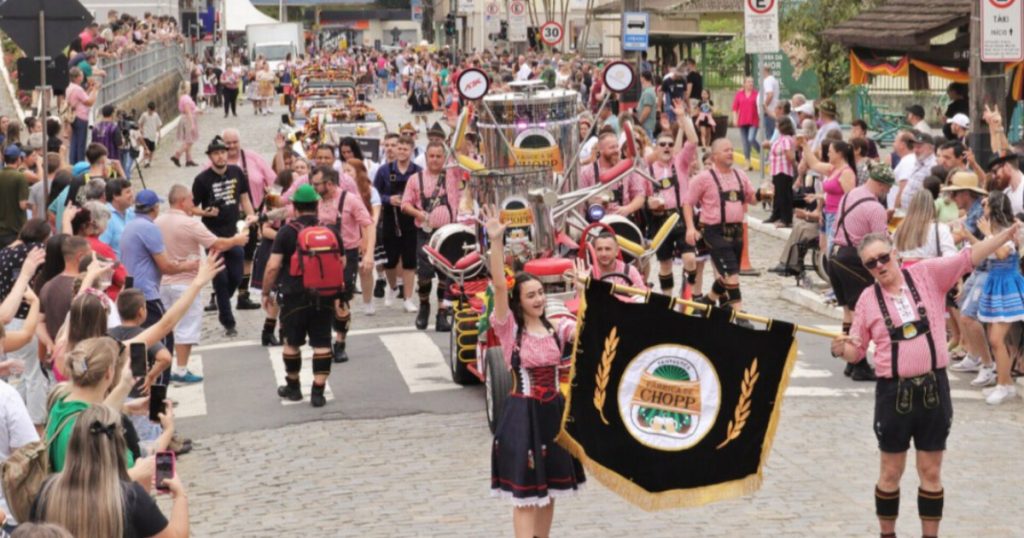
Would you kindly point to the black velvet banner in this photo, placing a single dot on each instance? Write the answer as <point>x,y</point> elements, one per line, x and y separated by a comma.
<point>671,410</point>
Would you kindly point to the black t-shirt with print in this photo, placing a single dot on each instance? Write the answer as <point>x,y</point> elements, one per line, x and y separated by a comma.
<point>11,260</point>
<point>224,192</point>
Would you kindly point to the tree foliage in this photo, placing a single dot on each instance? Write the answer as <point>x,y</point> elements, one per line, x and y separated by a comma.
<point>724,60</point>
<point>804,21</point>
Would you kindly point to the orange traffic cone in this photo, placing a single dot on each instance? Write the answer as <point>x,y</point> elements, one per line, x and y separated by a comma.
<point>745,268</point>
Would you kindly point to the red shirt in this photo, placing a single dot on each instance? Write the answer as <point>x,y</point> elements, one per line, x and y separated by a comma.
<point>117,282</point>
<point>745,107</point>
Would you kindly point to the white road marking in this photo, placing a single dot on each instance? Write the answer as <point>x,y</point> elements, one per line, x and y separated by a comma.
<point>420,361</point>
<point>305,375</point>
<point>357,332</point>
<point>191,398</point>
<point>828,392</point>
<point>802,370</point>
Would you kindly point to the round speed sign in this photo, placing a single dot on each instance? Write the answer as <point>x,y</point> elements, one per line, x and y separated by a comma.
<point>551,33</point>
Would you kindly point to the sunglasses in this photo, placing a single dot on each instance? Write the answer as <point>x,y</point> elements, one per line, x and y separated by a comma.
<point>881,260</point>
<point>664,144</point>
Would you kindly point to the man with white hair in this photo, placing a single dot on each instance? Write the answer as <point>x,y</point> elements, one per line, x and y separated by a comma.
<point>924,152</point>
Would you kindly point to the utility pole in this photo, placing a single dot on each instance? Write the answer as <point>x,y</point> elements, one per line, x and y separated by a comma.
<point>987,86</point>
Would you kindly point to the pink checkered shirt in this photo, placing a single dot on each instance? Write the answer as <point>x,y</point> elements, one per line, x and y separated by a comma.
<point>777,156</point>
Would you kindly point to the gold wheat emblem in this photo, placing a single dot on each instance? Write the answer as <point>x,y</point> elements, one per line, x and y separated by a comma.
<point>742,411</point>
<point>611,343</point>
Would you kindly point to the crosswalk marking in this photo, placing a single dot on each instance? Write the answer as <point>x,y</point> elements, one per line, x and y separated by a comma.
<point>191,398</point>
<point>420,362</point>
<point>305,375</point>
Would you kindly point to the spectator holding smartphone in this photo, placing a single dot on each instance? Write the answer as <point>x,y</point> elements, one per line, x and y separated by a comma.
<point>94,496</point>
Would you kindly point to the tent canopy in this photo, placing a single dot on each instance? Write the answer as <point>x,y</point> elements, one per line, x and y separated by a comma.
<point>241,13</point>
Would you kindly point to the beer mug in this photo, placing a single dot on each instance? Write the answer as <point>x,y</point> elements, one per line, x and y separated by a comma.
<point>896,219</point>
<point>274,196</point>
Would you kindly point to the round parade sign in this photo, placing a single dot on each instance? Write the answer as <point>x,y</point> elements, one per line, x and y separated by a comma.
<point>551,33</point>
<point>473,84</point>
<point>618,76</point>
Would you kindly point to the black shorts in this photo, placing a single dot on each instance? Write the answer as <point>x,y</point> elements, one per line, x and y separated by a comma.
<point>848,276</point>
<point>254,241</point>
<point>424,269</point>
<point>675,243</point>
<point>929,428</point>
<point>150,145</point>
<point>400,248</point>
<point>725,245</point>
<point>303,315</point>
<point>351,271</point>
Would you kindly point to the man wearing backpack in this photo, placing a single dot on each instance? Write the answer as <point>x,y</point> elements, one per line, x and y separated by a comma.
<point>307,261</point>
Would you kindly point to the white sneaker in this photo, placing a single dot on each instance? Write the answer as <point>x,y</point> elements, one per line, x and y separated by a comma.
<point>986,377</point>
<point>969,364</point>
<point>410,306</point>
<point>1001,394</point>
<point>369,309</point>
<point>389,298</point>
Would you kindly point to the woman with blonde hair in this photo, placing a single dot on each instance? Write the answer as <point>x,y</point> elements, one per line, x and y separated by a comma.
<point>94,495</point>
<point>920,236</point>
<point>188,126</point>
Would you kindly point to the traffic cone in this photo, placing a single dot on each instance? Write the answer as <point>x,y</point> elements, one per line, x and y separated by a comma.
<point>745,268</point>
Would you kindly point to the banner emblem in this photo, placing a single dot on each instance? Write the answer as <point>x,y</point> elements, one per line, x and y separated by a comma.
<point>669,397</point>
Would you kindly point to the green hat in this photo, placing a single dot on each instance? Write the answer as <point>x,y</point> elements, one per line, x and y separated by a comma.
<point>882,173</point>
<point>305,194</point>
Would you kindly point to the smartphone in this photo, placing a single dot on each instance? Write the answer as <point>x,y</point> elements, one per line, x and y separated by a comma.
<point>164,469</point>
<point>129,282</point>
<point>137,354</point>
<point>157,394</point>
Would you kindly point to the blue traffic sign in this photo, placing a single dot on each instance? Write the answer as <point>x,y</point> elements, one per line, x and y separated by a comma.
<point>635,31</point>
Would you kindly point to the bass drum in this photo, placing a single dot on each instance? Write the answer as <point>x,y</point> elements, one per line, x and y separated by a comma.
<point>625,228</point>
<point>454,241</point>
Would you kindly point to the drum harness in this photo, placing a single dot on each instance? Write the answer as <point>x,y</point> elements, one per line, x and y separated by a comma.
<point>908,331</point>
<point>430,203</point>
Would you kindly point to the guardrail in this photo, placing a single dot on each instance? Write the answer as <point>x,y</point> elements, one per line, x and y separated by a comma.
<point>129,74</point>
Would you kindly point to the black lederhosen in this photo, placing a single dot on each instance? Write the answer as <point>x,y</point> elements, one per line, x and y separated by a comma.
<point>725,240</point>
<point>398,242</point>
<point>920,407</point>
<point>675,243</point>
<point>254,230</point>
<point>847,274</point>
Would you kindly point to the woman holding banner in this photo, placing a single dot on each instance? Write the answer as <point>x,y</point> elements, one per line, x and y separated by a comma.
<point>527,466</point>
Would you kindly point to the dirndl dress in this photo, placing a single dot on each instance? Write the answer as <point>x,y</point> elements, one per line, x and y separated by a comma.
<point>527,466</point>
<point>1002,299</point>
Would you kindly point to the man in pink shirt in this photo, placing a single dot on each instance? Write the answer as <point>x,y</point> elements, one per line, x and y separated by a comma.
<point>184,238</point>
<point>81,101</point>
<point>670,173</point>
<point>346,212</point>
<point>628,196</point>
<point>260,177</point>
<point>903,314</point>
<point>722,193</point>
<point>432,198</point>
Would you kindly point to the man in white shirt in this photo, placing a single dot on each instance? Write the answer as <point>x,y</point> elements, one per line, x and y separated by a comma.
<point>525,71</point>
<point>924,153</point>
<point>16,431</point>
<point>767,100</point>
<point>902,146</point>
<point>1006,170</point>
<point>915,117</point>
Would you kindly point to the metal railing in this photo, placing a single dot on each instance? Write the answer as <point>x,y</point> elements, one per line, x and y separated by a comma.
<point>130,74</point>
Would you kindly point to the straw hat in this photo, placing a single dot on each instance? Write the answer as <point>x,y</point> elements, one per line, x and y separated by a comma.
<point>964,181</point>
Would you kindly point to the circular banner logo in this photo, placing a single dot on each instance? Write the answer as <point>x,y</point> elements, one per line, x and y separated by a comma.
<point>618,76</point>
<point>669,397</point>
<point>473,84</point>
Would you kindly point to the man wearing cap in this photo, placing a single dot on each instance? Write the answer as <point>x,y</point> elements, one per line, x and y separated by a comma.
<point>722,193</point>
<point>860,213</point>
<point>221,195</point>
<point>959,125</point>
<point>184,239</point>
<point>302,315</point>
<point>435,134</point>
<point>924,160</point>
<point>828,115</point>
<point>915,117</point>
<point>260,177</point>
<point>145,258</point>
<point>13,196</point>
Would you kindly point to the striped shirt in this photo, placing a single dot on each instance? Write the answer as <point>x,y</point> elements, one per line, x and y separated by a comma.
<point>868,217</point>
<point>780,164</point>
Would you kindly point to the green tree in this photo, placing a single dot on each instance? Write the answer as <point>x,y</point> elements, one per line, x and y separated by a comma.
<point>803,22</point>
<point>723,60</point>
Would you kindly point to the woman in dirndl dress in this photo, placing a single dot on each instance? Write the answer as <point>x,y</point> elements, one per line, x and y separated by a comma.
<point>1002,297</point>
<point>527,466</point>
<point>188,126</point>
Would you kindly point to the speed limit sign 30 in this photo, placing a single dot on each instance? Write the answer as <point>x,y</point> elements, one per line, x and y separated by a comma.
<point>551,33</point>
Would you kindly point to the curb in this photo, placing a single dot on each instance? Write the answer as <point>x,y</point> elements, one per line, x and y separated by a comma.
<point>757,224</point>
<point>811,301</point>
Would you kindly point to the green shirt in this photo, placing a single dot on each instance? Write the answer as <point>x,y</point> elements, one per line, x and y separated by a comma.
<point>59,448</point>
<point>13,191</point>
<point>946,210</point>
<point>648,99</point>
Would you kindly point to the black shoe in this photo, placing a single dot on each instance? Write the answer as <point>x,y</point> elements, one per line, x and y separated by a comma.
<point>848,371</point>
<point>176,161</point>
<point>423,316</point>
<point>245,303</point>
<point>316,396</point>
<point>443,322</point>
<point>862,371</point>
<point>340,355</point>
<point>212,306</point>
<point>231,332</point>
<point>269,339</point>
<point>290,390</point>
<point>378,289</point>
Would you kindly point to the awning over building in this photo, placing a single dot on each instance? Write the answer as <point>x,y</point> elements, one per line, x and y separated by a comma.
<point>901,26</point>
<point>241,13</point>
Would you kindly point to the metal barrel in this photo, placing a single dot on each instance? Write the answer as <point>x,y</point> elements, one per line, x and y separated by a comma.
<point>516,194</point>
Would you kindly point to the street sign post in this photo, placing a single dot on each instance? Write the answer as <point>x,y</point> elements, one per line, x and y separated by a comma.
<point>1001,36</point>
<point>761,26</point>
<point>492,17</point>
<point>517,21</point>
<point>416,7</point>
<point>636,27</point>
<point>551,33</point>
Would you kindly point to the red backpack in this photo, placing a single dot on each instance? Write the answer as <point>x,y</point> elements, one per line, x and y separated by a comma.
<point>318,259</point>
